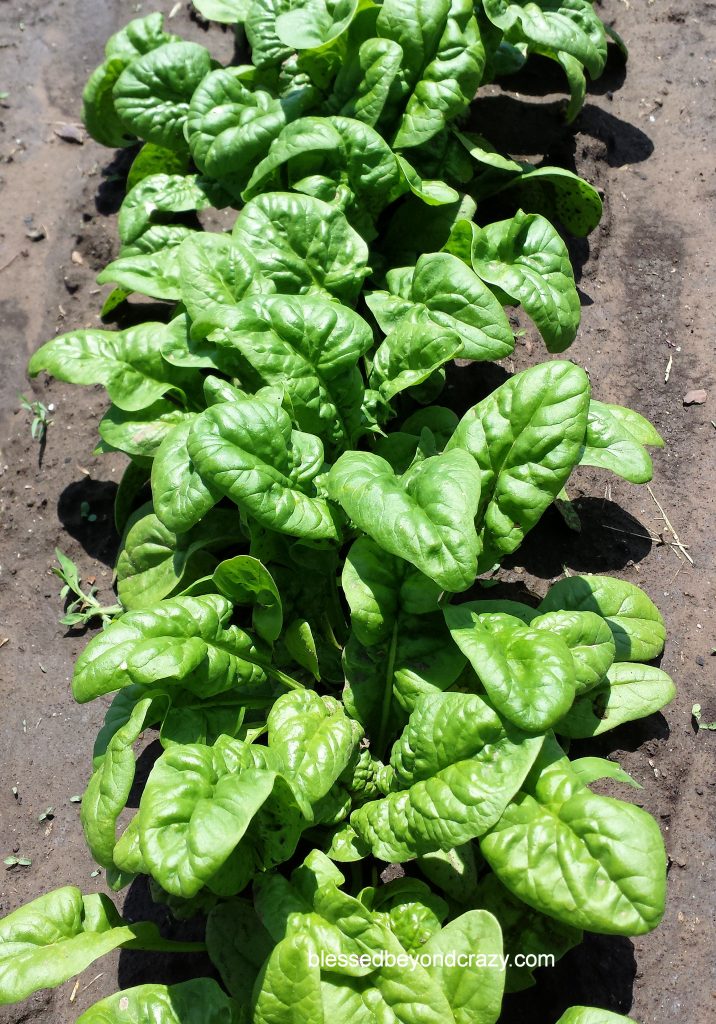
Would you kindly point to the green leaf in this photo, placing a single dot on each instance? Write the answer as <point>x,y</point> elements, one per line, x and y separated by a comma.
<point>152,159</point>
<point>154,561</point>
<point>615,440</point>
<point>58,935</point>
<point>215,271</point>
<point>152,94</point>
<point>448,82</point>
<point>591,1015</point>
<point>432,192</point>
<point>527,673</point>
<point>410,354</point>
<point>528,261</point>
<point>628,692</point>
<point>154,273</point>
<point>589,640</point>
<point>197,806</point>
<point>199,1001</point>
<point>247,451</point>
<point>184,641</point>
<point>586,860</point>
<point>569,25</point>
<point>307,345</point>
<point>140,432</point>
<point>238,945</point>
<point>231,125</point>
<point>302,244</point>
<point>526,438</point>
<point>591,769</point>
<point>445,292</point>
<point>128,363</point>
<point>458,766</point>
<point>425,517</point>
<point>160,196</point>
<point>364,87</point>
<point>314,23</point>
<point>228,12</point>
<point>108,789</point>
<point>180,496</point>
<point>267,49</point>
<point>634,619</point>
<point>288,990</point>
<point>313,739</point>
<point>475,996</point>
<point>98,111</point>
<point>246,580</point>
<point>139,36</point>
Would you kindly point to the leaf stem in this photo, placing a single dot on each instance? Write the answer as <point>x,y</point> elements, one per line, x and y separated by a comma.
<point>387,692</point>
<point>281,677</point>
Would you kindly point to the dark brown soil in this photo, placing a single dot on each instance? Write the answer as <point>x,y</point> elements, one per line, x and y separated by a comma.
<point>649,290</point>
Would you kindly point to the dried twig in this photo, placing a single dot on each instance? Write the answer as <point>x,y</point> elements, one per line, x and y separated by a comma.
<point>675,535</point>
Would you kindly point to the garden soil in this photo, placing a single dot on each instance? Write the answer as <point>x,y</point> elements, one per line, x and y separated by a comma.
<point>647,138</point>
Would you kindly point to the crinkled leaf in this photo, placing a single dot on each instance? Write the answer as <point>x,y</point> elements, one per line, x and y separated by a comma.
<point>425,517</point>
<point>140,432</point>
<point>199,1001</point>
<point>615,440</point>
<point>589,640</point>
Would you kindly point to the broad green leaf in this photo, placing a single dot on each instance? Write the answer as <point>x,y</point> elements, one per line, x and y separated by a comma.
<point>199,803</point>
<point>199,1001</point>
<point>591,769</point>
<point>528,261</point>
<point>418,29</point>
<point>238,945</point>
<point>528,674</point>
<point>140,432</point>
<point>592,1015</point>
<point>410,354</point>
<point>139,36</point>
<point>215,271</point>
<point>153,273</point>
<point>586,860</point>
<point>245,580</point>
<point>589,640</point>
<point>628,692</point>
<point>557,194</point>
<point>414,230</point>
<point>634,619</point>
<point>267,50</point>
<point>58,935</point>
<point>108,789</point>
<point>524,931</point>
<point>153,159</point>
<point>302,244</point>
<point>231,125</point>
<point>568,25</point>
<point>191,719</point>
<point>288,989</point>
<point>185,640</point>
<point>160,196</point>
<point>181,498</point>
<point>154,561</point>
<point>448,81</point>
<point>314,23</point>
<point>459,766</point>
<point>526,438</point>
<point>365,85</point>
<point>615,440</point>
<point>425,517</point>
<point>448,294</point>
<point>313,739</point>
<point>454,871</point>
<point>474,995</point>
<point>301,645</point>
<point>128,363</point>
<point>133,480</point>
<point>305,344</point>
<point>98,111</point>
<point>341,154</point>
<point>228,12</point>
<point>431,192</point>
<point>247,451</point>
<point>157,237</point>
<point>152,94</point>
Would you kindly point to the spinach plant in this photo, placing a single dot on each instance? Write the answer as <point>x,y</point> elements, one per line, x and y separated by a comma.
<point>308,538</point>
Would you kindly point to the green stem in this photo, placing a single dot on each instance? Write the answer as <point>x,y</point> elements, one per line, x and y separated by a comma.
<point>387,693</point>
<point>281,677</point>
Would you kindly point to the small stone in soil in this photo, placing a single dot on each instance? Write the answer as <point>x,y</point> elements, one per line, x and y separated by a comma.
<point>695,397</point>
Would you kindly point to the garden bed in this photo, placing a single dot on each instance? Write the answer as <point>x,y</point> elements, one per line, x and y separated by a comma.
<point>647,293</point>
